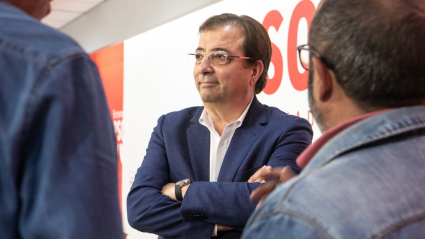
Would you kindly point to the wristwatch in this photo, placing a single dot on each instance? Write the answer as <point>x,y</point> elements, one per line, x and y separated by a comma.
<point>179,186</point>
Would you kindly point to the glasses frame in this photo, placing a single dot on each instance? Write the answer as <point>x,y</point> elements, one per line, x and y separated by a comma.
<point>307,47</point>
<point>212,53</point>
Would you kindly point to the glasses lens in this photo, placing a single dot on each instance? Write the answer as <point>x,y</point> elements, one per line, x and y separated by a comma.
<point>305,58</point>
<point>192,58</point>
<point>198,57</point>
<point>219,58</point>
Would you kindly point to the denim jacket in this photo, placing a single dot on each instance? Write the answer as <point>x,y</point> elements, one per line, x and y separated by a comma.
<point>366,182</point>
<point>58,159</point>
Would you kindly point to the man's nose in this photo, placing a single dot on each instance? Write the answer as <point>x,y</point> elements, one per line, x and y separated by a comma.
<point>206,65</point>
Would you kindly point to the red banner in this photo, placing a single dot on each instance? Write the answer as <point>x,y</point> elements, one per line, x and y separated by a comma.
<point>110,62</point>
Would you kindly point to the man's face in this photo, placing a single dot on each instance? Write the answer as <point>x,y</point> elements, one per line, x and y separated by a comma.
<point>35,8</point>
<point>223,83</point>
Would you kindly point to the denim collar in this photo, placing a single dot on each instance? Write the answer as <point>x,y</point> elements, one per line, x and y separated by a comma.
<point>372,129</point>
<point>309,152</point>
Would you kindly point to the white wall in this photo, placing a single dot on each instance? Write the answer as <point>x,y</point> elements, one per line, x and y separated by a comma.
<point>114,21</point>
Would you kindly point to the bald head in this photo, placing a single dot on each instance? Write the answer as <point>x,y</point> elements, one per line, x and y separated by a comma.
<point>38,9</point>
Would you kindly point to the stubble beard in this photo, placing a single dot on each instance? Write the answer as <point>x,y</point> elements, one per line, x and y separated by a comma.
<point>312,103</point>
<point>207,94</point>
<point>207,98</point>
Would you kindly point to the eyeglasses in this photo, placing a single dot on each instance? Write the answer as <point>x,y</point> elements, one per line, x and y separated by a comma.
<point>217,58</point>
<point>305,58</point>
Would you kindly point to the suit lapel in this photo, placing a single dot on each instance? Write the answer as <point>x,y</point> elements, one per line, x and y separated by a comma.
<point>242,141</point>
<point>199,148</point>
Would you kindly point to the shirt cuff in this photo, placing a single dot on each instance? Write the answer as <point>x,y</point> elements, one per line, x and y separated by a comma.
<point>214,234</point>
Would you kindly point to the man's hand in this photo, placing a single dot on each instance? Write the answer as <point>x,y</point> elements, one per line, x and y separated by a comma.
<point>277,177</point>
<point>259,176</point>
<point>221,228</point>
<point>169,190</point>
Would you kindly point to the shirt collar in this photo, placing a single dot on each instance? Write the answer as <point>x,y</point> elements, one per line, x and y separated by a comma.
<point>206,120</point>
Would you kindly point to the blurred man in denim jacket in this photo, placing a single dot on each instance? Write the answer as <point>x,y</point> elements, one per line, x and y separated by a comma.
<point>58,160</point>
<point>364,178</point>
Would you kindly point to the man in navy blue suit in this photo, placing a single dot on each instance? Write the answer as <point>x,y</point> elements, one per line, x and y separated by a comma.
<point>197,175</point>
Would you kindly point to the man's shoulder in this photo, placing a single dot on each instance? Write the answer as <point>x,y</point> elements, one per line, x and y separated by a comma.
<point>279,118</point>
<point>184,115</point>
<point>190,111</point>
<point>27,38</point>
<point>277,113</point>
<point>366,184</point>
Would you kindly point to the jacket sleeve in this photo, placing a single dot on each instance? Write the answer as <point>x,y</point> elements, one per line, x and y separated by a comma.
<point>68,186</point>
<point>150,211</point>
<point>227,203</point>
<point>282,225</point>
<point>274,219</point>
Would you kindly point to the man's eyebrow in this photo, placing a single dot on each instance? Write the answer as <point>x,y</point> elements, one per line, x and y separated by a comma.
<point>221,49</point>
<point>215,49</point>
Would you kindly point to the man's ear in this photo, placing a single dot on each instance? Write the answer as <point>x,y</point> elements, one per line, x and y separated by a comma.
<point>323,82</point>
<point>257,70</point>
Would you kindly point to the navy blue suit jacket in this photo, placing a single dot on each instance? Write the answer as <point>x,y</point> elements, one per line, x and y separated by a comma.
<point>180,148</point>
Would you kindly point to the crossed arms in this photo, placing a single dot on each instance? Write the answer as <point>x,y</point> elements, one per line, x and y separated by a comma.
<point>222,203</point>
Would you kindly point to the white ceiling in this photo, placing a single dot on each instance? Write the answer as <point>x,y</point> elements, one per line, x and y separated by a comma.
<point>65,11</point>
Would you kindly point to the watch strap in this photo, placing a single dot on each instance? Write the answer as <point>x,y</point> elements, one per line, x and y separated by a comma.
<point>179,196</point>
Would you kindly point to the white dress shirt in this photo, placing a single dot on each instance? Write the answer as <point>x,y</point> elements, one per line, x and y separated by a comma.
<point>219,144</point>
